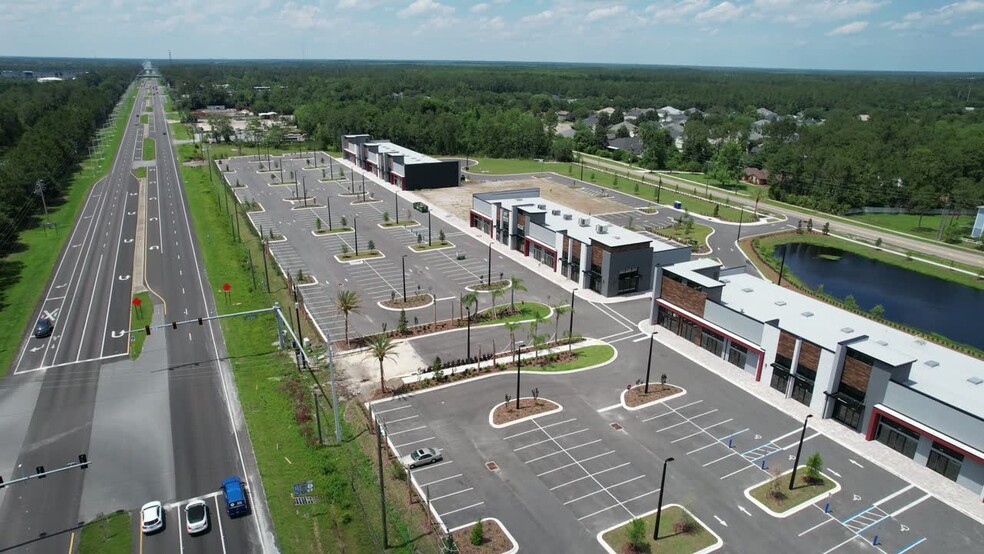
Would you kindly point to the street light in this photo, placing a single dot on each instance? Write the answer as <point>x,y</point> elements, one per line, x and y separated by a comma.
<point>659,505</point>
<point>519,360</point>
<point>355,223</point>
<point>649,364</point>
<point>741,213</point>
<point>799,449</point>
<point>570,329</point>
<point>490,266</point>
<point>396,205</point>
<point>468,340</point>
<point>404,263</point>
<point>429,228</point>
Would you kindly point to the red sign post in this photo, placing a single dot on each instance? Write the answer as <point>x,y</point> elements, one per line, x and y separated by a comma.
<point>137,308</point>
<point>227,288</point>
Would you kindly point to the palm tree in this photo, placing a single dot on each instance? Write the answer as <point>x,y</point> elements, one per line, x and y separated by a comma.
<point>758,196</point>
<point>512,327</point>
<point>470,299</point>
<point>515,283</point>
<point>346,302</point>
<point>559,310</point>
<point>535,339</point>
<point>495,294</point>
<point>381,346</point>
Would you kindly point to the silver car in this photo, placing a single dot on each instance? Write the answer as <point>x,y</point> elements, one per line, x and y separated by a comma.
<point>421,457</point>
<point>196,517</point>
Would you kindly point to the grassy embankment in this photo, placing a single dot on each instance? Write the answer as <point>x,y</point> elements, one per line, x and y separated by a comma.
<point>149,152</point>
<point>23,274</point>
<point>139,318</point>
<point>276,402</point>
<point>111,534</point>
<point>926,227</point>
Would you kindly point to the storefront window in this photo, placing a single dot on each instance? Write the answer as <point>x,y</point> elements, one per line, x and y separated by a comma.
<point>780,378</point>
<point>712,342</point>
<point>945,461</point>
<point>737,355</point>
<point>897,437</point>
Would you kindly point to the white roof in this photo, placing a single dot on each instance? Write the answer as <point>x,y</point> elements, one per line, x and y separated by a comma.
<point>936,371</point>
<point>410,157</point>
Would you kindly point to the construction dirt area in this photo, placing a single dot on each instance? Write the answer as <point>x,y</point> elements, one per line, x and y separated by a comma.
<point>458,200</point>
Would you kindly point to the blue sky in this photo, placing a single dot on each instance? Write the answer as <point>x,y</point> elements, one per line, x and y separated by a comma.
<point>813,34</point>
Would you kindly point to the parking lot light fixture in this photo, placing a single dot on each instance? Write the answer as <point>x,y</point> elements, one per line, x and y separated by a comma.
<point>799,450</point>
<point>404,264</point>
<point>649,364</point>
<point>355,224</point>
<point>490,265</point>
<point>429,243</point>
<point>396,208</point>
<point>519,362</point>
<point>570,329</point>
<point>659,505</point>
<point>468,339</point>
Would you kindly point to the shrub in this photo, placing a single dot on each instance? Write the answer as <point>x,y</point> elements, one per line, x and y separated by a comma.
<point>317,223</point>
<point>478,534</point>
<point>638,538</point>
<point>386,217</point>
<point>397,470</point>
<point>440,235</point>
<point>372,245</point>
<point>814,465</point>
<point>401,325</point>
<point>686,525</point>
<point>345,249</point>
<point>878,242</point>
<point>344,222</point>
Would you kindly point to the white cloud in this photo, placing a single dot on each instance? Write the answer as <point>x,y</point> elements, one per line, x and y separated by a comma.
<point>849,28</point>
<point>421,7</point>
<point>675,11</point>
<point>545,15</point>
<point>809,11</point>
<point>944,15</point>
<point>601,13</point>
<point>725,11</point>
<point>479,8</point>
<point>969,30</point>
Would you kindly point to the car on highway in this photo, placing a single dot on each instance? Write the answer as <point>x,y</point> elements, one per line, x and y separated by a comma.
<point>235,497</point>
<point>421,457</point>
<point>43,328</point>
<point>152,517</point>
<point>196,517</point>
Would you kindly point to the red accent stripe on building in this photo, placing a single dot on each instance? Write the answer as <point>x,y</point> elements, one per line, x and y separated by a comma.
<point>873,424</point>
<point>732,338</point>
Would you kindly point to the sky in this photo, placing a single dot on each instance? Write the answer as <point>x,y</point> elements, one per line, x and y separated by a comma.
<point>888,35</point>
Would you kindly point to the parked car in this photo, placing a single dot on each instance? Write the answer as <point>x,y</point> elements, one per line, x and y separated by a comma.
<point>421,457</point>
<point>43,328</point>
<point>152,517</point>
<point>196,517</point>
<point>235,497</point>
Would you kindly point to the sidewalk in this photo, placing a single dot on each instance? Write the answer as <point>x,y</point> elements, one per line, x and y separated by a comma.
<point>502,249</point>
<point>874,452</point>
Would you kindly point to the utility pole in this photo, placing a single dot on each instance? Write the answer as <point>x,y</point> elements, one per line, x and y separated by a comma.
<point>382,491</point>
<point>266,272</point>
<point>39,190</point>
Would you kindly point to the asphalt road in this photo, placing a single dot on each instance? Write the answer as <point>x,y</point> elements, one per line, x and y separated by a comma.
<point>88,299</point>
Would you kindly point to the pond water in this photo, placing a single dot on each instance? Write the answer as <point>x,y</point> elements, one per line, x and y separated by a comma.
<point>928,303</point>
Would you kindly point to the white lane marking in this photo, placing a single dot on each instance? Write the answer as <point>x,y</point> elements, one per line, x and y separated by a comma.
<point>218,517</point>
<point>608,408</point>
<point>407,431</point>
<point>842,544</point>
<point>574,463</point>
<point>551,439</point>
<point>604,489</point>
<point>440,480</point>
<point>587,476</point>
<point>412,442</point>
<point>535,430</point>
<point>451,494</point>
<point>728,455</point>
<point>461,509</point>
<point>92,298</point>
<point>559,451</point>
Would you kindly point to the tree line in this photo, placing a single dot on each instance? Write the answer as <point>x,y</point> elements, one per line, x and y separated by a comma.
<point>45,131</point>
<point>921,147</point>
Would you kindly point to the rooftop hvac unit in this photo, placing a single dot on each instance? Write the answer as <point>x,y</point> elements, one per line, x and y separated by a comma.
<point>568,217</point>
<point>601,229</point>
<point>541,206</point>
<point>554,212</point>
<point>584,221</point>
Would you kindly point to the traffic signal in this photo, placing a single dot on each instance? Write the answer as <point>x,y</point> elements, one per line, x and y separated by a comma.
<point>40,470</point>
<point>174,325</point>
<point>147,329</point>
<point>83,461</point>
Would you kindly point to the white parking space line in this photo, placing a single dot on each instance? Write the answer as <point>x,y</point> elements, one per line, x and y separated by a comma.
<point>703,414</point>
<point>675,425</point>
<point>413,442</point>
<point>378,412</point>
<point>218,517</point>
<point>436,498</point>
<point>703,447</point>
<point>574,463</point>
<point>686,437</point>
<point>408,430</point>
<point>559,451</point>
<point>462,509</point>
<point>439,480</point>
<point>719,423</point>
<point>726,456</point>
<point>591,475</point>
<point>737,472</point>
<point>842,544</point>
<point>401,419</point>
<point>604,489</point>
<point>535,430</point>
<point>822,523</point>
<point>678,408</point>
<point>600,511</point>
<point>654,491</point>
<point>658,416</point>
<point>550,439</point>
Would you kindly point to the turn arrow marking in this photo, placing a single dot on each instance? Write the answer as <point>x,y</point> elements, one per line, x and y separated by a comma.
<point>36,348</point>
<point>118,334</point>
<point>834,472</point>
<point>124,277</point>
<point>743,510</point>
<point>721,521</point>
<point>855,463</point>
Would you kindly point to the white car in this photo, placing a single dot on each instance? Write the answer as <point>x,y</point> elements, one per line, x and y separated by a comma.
<point>152,517</point>
<point>196,516</point>
<point>421,457</point>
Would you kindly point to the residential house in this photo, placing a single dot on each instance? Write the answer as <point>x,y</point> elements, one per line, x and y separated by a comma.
<point>628,144</point>
<point>636,113</point>
<point>669,112</point>
<point>613,130</point>
<point>564,130</point>
<point>590,121</point>
<point>756,176</point>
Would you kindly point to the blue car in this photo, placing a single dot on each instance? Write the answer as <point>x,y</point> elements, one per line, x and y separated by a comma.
<point>235,497</point>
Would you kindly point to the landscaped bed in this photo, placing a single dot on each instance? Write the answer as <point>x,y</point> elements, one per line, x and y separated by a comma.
<point>364,255</point>
<point>776,496</point>
<point>436,245</point>
<point>636,396</point>
<point>507,412</point>
<point>679,532</point>
<point>409,303</point>
<point>492,539</point>
<point>404,223</point>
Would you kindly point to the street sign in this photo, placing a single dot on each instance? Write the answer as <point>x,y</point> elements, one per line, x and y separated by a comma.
<point>136,301</point>
<point>306,487</point>
<point>226,287</point>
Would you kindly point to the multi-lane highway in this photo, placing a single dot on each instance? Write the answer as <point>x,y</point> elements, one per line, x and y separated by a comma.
<point>165,427</point>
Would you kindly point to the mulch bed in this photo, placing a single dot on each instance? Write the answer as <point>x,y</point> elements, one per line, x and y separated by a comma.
<point>496,541</point>
<point>412,302</point>
<point>494,285</point>
<point>636,397</point>
<point>527,407</point>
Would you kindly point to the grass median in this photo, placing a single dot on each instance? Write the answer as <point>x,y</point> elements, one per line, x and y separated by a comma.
<point>277,404</point>
<point>110,534</point>
<point>583,357</point>
<point>149,152</point>
<point>139,318</point>
<point>24,273</point>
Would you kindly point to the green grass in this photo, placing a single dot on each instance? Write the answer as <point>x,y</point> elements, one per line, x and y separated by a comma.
<point>336,523</point>
<point>107,535</point>
<point>666,195</point>
<point>734,186</point>
<point>139,318</point>
<point>24,273</point>
<point>669,540</point>
<point>180,131</point>
<point>802,492</point>
<point>140,172</point>
<point>423,246</point>
<point>402,223</point>
<point>527,311</point>
<point>222,151</point>
<point>363,254</point>
<point>584,357</point>
<point>910,224</point>
<point>145,119</point>
<point>149,152</point>
<point>699,233</point>
<point>501,166</point>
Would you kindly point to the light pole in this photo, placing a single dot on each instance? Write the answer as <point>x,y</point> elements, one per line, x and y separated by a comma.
<point>659,505</point>
<point>355,224</point>
<point>519,362</point>
<point>328,202</point>
<point>396,205</point>
<point>404,264</point>
<point>570,328</point>
<point>468,340</point>
<point>429,228</point>
<point>741,214</point>
<point>490,266</point>
<point>799,449</point>
<point>649,364</point>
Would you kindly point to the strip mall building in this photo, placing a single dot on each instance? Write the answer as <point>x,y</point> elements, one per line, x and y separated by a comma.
<point>918,398</point>
<point>400,166</point>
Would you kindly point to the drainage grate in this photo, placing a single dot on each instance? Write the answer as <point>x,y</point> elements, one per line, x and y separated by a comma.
<point>492,466</point>
<point>299,500</point>
<point>616,425</point>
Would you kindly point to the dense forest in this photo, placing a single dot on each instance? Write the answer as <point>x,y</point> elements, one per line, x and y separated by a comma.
<point>45,131</point>
<point>920,145</point>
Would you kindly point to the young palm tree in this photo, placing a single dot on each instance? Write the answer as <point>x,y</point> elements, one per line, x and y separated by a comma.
<point>512,327</point>
<point>471,299</point>
<point>495,294</point>
<point>559,310</point>
<point>381,347</point>
<point>346,302</point>
<point>515,283</point>
<point>535,339</point>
